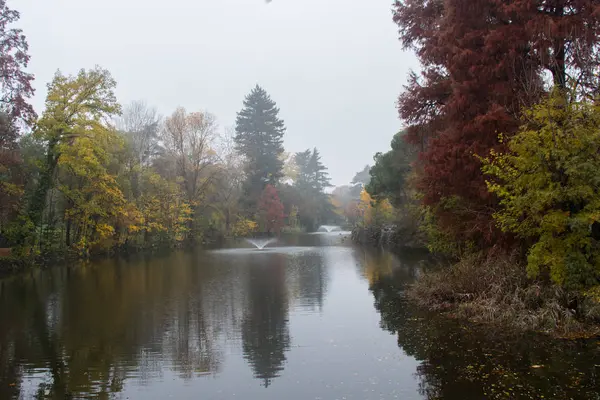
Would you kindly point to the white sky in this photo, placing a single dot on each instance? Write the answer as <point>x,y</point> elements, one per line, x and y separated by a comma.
<point>334,67</point>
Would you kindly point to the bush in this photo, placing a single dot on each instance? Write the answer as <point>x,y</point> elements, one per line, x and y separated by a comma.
<point>549,190</point>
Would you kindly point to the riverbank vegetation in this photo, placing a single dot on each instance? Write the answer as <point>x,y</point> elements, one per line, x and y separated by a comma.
<point>497,164</point>
<point>90,175</point>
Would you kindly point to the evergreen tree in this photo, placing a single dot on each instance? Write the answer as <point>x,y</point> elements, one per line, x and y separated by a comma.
<point>314,205</point>
<point>312,174</point>
<point>319,175</point>
<point>259,137</point>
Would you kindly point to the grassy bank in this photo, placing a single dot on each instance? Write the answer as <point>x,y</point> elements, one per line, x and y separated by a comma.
<point>496,290</point>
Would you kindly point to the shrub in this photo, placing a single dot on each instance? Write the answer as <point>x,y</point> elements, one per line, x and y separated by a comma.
<point>548,184</point>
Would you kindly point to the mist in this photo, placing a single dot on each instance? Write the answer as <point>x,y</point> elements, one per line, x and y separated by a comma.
<point>334,68</point>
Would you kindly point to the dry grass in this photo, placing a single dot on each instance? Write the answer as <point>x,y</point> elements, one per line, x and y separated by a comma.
<point>496,290</point>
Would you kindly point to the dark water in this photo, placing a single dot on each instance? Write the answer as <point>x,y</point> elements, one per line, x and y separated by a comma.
<point>314,319</point>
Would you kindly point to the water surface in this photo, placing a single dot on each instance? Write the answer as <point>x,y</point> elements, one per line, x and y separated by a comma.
<point>308,317</point>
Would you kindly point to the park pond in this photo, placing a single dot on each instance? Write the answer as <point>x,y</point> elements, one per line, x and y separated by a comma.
<point>306,317</point>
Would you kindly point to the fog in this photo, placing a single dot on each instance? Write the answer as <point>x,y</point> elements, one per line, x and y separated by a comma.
<point>334,67</point>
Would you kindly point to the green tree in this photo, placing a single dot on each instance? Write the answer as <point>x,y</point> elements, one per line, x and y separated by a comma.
<point>390,172</point>
<point>314,206</point>
<point>259,138</point>
<point>549,190</point>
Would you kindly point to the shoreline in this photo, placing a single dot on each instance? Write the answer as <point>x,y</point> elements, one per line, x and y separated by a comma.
<point>495,292</point>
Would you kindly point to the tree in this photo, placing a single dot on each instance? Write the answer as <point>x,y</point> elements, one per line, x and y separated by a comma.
<point>228,182</point>
<point>477,73</point>
<point>77,107</point>
<point>189,139</point>
<point>549,190</point>
<point>141,126</point>
<point>15,82</point>
<point>481,65</point>
<point>10,177</point>
<point>314,207</point>
<point>564,36</point>
<point>259,138</point>
<point>389,175</point>
<point>318,172</point>
<point>15,91</point>
<point>94,199</point>
<point>270,210</point>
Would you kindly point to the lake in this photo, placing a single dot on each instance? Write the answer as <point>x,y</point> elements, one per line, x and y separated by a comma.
<point>309,317</point>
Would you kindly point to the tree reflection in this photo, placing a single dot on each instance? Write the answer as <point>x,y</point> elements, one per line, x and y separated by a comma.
<point>88,326</point>
<point>462,361</point>
<point>265,331</point>
<point>84,331</point>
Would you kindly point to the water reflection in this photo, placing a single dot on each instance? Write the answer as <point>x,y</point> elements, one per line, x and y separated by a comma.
<point>265,331</point>
<point>462,361</point>
<point>316,318</point>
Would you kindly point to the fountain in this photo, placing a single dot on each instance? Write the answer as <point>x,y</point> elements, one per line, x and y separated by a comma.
<point>329,228</point>
<point>261,243</point>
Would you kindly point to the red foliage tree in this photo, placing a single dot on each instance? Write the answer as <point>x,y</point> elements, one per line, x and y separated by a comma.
<point>483,60</point>
<point>270,210</point>
<point>15,83</point>
<point>15,89</point>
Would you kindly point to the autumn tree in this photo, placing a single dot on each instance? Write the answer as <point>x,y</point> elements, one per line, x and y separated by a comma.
<point>563,38</point>
<point>549,190</point>
<point>259,138</point>
<point>15,82</point>
<point>11,178</point>
<point>189,140</point>
<point>15,90</point>
<point>477,72</point>
<point>141,125</point>
<point>228,181</point>
<point>270,210</point>
<point>78,112</point>
<point>94,201</point>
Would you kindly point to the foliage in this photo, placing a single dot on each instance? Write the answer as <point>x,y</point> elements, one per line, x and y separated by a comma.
<point>549,189</point>
<point>259,138</point>
<point>243,227</point>
<point>165,213</point>
<point>15,83</point>
<point>481,64</point>
<point>76,107</point>
<point>389,175</point>
<point>270,211</point>
<point>94,200</point>
<point>313,205</point>
<point>91,179</point>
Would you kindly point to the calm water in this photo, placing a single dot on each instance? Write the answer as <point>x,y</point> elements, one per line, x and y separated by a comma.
<point>314,318</point>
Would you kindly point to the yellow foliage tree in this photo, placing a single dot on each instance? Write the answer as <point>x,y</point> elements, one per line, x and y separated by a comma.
<point>549,189</point>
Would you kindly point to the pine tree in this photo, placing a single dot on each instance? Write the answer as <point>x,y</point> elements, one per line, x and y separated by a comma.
<point>312,174</point>
<point>312,179</point>
<point>259,137</point>
<point>319,174</point>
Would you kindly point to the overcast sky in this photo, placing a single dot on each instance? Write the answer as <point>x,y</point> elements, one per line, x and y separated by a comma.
<point>334,67</point>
